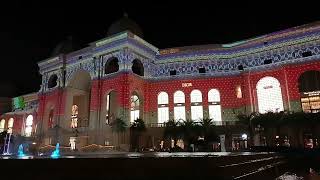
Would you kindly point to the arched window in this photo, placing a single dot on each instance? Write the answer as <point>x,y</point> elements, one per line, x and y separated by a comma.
<point>163,108</point>
<point>74,116</point>
<point>135,103</point>
<point>179,106</point>
<point>52,81</point>
<point>28,128</point>
<point>111,66</point>
<point>214,105</point>
<point>196,105</point>
<point>137,67</point>
<point>10,125</point>
<point>2,124</point>
<point>269,95</point>
<point>50,121</point>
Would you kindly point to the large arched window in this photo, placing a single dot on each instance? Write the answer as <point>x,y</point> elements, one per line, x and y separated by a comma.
<point>163,108</point>
<point>269,95</point>
<point>179,106</point>
<point>52,81</point>
<point>196,105</point>
<point>112,65</point>
<point>309,88</point>
<point>28,128</point>
<point>214,105</point>
<point>10,125</point>
<point>2,124</point>
<point>74,116</point>
<point>135,109</point>
<point>137,67</point>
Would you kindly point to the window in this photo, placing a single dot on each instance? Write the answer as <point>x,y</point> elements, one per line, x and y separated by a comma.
<point>2,124</point>
<point>28,129</point>
<point>269,95</point>
<point>74,116</point>
<point>202,70</point>
<point>240,67</point>
<point>196,105</point>
<point>238,91</point>
<point>214,105</point>
<point>306,54</point>
<point>10,125</point>
<point>137,67</point>
<point>179,106</point>
<point>111,66</point>
<point>267,61</point>
<point>173,72</point>
<point>163,109</point>
<point>134,108</point>
<point>52,81</point>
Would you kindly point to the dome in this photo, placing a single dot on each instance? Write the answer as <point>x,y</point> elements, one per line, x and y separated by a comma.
<point>65,46</point>
<point>125,24</point>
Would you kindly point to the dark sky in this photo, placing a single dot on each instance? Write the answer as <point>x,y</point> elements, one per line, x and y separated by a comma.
<point>29,30</point>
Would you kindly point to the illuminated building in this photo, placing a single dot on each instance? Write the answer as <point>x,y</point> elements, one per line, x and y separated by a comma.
<point>123,76</point>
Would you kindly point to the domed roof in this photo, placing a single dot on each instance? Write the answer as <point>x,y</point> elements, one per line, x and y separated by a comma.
<point>65,46</point>
<point>125,24</point>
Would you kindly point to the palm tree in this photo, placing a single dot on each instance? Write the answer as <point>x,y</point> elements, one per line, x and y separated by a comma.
<point>190,132</point>
<point>136,129</point>
<point>172,130</point>
<point>118,126</point>
<point>208,131</point>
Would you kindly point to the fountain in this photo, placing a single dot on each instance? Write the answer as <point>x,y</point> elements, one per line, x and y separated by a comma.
<point>56,153</point>
<point>20,151</point>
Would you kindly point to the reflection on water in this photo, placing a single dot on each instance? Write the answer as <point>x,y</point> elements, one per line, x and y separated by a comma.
<point>138,155</point>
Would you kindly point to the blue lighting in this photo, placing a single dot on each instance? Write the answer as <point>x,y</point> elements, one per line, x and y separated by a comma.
<point>20,151</point>
<point>56,153</point>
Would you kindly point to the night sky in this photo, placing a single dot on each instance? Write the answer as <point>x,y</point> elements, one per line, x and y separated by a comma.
<point>31,29</point>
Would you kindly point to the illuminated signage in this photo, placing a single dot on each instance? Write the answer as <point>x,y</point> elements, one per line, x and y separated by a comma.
<point>313,93</point>
<point>186,84</point>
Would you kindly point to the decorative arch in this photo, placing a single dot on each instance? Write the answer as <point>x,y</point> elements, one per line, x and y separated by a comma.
<point>163,107</point>
<point>196,105</point>
<point>214,105</point>
<point>111,66</point>
<point>179,105</point>
<point>269,95</point>
<point>52,82</point>
<point>137,67</point>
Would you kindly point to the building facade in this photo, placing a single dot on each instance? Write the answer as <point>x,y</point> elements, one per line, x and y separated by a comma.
<point>123,76</point>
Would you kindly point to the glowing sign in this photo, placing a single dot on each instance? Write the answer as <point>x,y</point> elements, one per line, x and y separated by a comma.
<point>186,84</point>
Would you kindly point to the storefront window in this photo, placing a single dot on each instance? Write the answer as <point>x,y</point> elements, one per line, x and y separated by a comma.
<point>28,128</point>
<point>2,124</point>
<point>134,108</point>
<point>74,116</point>
<point>10,125</point>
